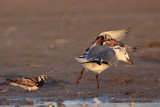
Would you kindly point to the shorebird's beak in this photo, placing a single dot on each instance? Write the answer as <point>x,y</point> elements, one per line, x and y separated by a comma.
<point>46,77</point>
<point>130,61</point>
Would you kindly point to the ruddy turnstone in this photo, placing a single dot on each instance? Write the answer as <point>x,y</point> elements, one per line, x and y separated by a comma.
<point>110,39</point>
<point>104,36</point>
<point>98,59</point>
<point>116,34</point>
<point>122,50</point>
<point>29,83</point>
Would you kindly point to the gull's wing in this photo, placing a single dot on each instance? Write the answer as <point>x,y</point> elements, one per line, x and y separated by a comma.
<point>131,49</point>
<point>117,34</point>
<point>101,53</point>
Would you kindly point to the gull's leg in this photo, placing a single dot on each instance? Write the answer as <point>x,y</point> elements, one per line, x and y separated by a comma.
<point>77,82</point>
<point>97,81</point>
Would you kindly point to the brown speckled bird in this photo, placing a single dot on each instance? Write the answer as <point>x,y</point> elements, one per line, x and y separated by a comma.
<point>33,83</point>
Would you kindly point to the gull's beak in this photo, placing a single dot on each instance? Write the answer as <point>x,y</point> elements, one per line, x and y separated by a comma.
<point>130,61</point>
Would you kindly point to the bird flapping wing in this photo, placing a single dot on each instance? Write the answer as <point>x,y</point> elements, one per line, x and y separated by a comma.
<point>131,49</point>
<point>116,34</point>
<point>100,53</point>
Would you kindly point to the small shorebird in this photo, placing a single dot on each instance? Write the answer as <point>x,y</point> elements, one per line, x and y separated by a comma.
<point>111,39</point>
<point>116,34</point>
<point>122,50</point>
<point>28,83</point>
<point>98,59</point>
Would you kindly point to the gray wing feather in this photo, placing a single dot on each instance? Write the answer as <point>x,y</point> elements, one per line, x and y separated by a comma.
<point>103,54</point>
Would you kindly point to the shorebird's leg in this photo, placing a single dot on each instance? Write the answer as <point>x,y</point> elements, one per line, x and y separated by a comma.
<point>77,82</point>
<point>97,81</point>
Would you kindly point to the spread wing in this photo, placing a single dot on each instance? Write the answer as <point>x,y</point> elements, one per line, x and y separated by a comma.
<point>117,34</point>
<point>100,53</point>
<point>25,82</point>
<point>131,49</point>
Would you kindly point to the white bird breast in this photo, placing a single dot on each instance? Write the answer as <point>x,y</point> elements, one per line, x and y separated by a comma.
<point>95,67</point>
<point>25,87</point>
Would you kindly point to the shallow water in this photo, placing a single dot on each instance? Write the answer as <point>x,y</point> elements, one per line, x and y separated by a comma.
<point>82,103</point>
<point>93,102</point>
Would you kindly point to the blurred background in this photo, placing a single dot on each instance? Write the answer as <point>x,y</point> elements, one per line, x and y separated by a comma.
<point>44,36</point>
<point>55,32</point>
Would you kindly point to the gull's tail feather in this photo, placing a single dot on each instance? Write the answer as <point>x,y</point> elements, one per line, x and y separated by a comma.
<point>135,48</point>
<point>81,60</point>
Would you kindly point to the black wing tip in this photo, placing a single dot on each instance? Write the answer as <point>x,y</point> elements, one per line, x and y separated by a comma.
<point>94,61</point>
<point>128,29</point>
<point>130,61</point>
<point>135,48</point>
<point>87,49</point>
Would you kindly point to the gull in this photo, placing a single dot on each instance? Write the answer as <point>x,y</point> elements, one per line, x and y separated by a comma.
<point>122,51</point>
<point>98,59</point>
<point>33,83</point>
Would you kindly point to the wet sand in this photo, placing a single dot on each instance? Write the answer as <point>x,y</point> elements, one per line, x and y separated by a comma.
<point>44,37</point>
